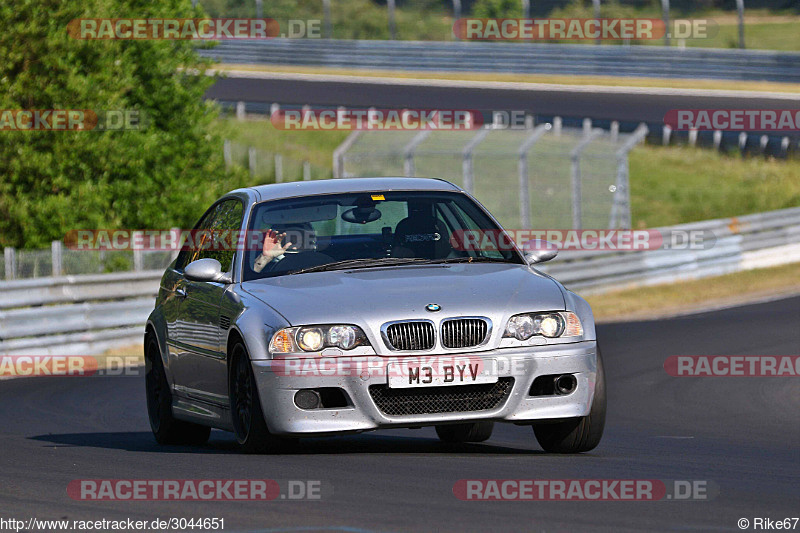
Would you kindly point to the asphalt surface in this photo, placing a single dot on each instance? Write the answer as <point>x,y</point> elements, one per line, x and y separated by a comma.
<point>740,435</point>
<point>623,107</point>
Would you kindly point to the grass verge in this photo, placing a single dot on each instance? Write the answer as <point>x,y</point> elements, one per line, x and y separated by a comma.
<point>669,185</point>
<point>607,81</point>
<point>695,295</point>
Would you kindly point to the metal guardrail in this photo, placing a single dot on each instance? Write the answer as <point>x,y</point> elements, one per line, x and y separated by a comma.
<point>88,314</point>
<point>535,58</point>
<point>74,315</point>
<point>741,243</point>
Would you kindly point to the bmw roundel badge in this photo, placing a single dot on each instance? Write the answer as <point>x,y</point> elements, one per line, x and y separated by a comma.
<point>433,307</point>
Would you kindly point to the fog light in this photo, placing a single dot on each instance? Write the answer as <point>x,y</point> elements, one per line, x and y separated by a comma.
<point>307,399</point>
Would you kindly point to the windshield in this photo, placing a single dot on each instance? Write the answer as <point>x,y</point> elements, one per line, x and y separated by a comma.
<point>366,230</point>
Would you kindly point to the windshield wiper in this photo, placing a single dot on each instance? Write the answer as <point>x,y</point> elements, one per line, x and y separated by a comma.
<point>361,263</point>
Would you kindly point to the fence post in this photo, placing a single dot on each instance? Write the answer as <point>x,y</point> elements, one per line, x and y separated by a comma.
<point>526,9</point>
<point>409,168</point>
<point>466,159</point>
<point>522,170</point>
<point>557,124</point>
<point>56,256</point>
<point>620,209</point>
<point>740,10</point>
<point>251,160</point>
<point>575,171</point>
<point>666,133</point>
<point>665,15</point>
<point>390,4</point>
<point>717,139</point>
<point>240,110</point>
<point>306,171</point>
<point>338,154</point>
<point>177,236</point>
<point>138,254</point>
<point>326,14</point>
<point>693,137</point>
<point>278,168</point>
<point>614,131</point>
<point>596,5</point>
<point>226,153</point>
<point>10,257</point>
<point>742,141</point>
<point>259,9</point>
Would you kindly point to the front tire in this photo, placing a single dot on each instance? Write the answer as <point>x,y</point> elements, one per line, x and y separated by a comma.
<point>471,432</point>
<point>249,425</point>
<point>580,434</point>
<point>166,428</point>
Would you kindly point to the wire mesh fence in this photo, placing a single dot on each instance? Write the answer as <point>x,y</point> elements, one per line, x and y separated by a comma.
<point>57,261</point>
<point>271,166</point>
<point>536,177</point>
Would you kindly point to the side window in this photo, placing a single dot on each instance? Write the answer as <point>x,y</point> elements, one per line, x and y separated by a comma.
<point>189,251</point>
<point>212,241</point>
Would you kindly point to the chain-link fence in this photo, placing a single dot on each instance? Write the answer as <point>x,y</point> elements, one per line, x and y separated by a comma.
<point>538,177</point>
<point>271,166</point>
<point>58,261</point>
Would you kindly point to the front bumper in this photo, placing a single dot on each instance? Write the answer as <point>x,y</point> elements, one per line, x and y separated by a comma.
<point>283,417</point>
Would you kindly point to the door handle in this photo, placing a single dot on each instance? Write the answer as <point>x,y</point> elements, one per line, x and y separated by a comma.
<point>180,292</point>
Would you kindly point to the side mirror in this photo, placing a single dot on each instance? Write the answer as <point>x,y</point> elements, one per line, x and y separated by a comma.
<point>206,270</point>
<point>539,251</point>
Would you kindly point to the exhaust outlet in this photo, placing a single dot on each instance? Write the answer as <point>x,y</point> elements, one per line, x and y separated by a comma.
<point>565,384</point>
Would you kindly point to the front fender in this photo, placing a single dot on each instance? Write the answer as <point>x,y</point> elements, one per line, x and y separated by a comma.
<point>255,323</point>
<point>158,325</point>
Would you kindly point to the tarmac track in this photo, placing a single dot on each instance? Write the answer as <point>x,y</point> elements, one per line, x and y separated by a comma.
<point>741,435</point>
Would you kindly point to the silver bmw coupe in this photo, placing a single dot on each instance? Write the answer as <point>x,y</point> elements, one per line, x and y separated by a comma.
<point>340,306</point>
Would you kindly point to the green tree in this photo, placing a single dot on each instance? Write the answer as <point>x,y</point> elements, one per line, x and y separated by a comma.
<point>161,176</point>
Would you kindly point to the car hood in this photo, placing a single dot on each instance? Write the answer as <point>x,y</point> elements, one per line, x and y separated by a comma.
<point>372,295</point>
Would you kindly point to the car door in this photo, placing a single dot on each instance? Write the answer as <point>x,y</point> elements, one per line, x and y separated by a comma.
<point>200,369</point>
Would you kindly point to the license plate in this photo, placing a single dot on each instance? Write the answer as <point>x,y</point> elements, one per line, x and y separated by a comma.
<point>470,371</point>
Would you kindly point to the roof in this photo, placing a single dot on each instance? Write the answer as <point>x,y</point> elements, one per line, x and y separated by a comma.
<point>346,185</point>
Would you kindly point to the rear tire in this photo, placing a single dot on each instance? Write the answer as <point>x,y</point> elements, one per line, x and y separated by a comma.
<point>580,434</point>
<point>166,428</point>
<point>249,425</point>
<point>471,432</point>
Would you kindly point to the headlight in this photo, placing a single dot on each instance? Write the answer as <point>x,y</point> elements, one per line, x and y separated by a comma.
<point>520,327</point>
<point>310,339</point>
<point>317,338</point>
<point>551,325</point>
<point>345,337</point>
